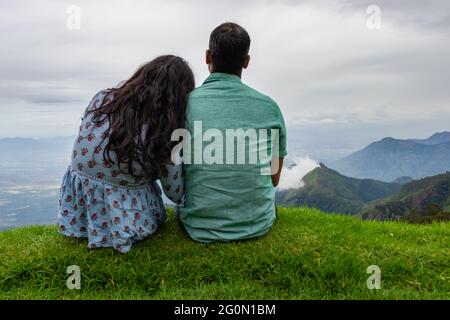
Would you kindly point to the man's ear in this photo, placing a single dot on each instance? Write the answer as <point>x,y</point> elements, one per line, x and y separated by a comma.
<point>208,57</point>
<point>246,62</point>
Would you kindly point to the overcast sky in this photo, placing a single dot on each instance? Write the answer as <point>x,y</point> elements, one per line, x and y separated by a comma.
<point>338,83</point>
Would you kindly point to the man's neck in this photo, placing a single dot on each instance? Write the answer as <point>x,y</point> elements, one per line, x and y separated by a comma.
<point>237,73</point>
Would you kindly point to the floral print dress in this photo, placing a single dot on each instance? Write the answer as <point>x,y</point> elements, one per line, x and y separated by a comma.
<point>99,202</point>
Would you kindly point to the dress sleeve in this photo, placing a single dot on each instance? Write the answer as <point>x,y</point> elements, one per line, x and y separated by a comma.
<point>173,183</point>
<point>94,103</point>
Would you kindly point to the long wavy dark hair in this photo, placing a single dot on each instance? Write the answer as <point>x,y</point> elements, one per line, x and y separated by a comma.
<point>143,112</point>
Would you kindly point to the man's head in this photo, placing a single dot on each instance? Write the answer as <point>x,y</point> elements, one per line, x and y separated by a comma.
<point>229,45</point>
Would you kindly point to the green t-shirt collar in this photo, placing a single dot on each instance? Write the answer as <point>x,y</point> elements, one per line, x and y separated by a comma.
<point>221,76</point>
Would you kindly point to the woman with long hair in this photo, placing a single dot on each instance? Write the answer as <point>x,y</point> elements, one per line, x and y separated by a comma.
<point>109,193</point>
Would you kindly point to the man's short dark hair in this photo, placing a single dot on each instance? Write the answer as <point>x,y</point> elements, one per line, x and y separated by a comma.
<point>229,44</point>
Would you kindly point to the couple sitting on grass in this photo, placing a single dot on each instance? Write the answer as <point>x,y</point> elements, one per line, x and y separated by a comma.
<point>125,144</point>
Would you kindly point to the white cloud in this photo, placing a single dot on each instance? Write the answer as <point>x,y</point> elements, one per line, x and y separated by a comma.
<point>291,177</point>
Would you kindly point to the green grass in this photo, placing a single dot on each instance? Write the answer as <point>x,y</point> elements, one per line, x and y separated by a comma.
<point>307,255</point>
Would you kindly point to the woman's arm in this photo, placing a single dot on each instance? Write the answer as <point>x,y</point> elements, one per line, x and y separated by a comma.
<point>173,183</point>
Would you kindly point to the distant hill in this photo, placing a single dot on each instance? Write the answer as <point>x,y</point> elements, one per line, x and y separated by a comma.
<point>28,152</point>
<point>403,180</point>
<point>330,191</point>
<point>417,201</point>
<point>390,158</point>
<point>437,138</point>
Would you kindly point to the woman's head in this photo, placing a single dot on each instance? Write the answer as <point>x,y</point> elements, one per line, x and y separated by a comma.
<point>144,111</point>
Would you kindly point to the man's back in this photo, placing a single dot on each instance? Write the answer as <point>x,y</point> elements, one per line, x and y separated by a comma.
<point>229,201</point>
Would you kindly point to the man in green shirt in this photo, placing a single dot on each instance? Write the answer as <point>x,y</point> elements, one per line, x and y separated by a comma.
<point>237,136</point>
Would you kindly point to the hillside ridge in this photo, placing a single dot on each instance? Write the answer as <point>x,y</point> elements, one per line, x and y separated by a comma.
<point>328,190</point>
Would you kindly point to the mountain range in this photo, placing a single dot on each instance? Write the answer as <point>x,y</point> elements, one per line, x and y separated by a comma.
<point>328,190</point>
<point>389,159</point>
<point>415,201</point>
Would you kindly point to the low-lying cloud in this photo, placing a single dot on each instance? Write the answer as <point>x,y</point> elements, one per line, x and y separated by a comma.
<point>291,176</point>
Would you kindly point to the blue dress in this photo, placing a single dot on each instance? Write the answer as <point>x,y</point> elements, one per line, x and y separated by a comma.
<point>99,202</point>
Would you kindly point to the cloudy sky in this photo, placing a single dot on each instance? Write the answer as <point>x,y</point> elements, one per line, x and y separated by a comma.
<point>339,83</point>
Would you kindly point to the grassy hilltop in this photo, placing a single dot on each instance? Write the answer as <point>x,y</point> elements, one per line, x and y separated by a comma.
<point>307,255</point>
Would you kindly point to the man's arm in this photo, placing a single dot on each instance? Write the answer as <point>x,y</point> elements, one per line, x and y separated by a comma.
<point>173,183</point>
<point>276,167</point>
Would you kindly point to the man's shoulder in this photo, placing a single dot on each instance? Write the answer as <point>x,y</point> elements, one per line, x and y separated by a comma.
<point>247,91</point>
<point>197,91</point>
<point>204,89</point>
<point>259,95</point>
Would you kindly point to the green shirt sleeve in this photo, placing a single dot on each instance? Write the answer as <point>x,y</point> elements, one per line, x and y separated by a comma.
<point>282,130</point>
